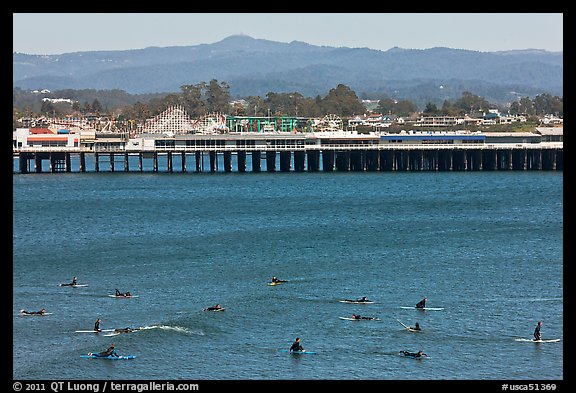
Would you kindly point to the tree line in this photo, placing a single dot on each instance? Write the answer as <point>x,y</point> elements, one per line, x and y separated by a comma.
<point>214,97</point>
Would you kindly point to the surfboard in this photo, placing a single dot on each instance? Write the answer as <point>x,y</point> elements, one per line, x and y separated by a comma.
<point>74,286</point>
<point>123,357</point>
<point>359,319</point>
<point>305,352</point>
<point>276,283</point>
<point>409,328</point>
<point>94,331</point>
<point>425,308</point>
<point>552,340</point>
<point>125,297</point>
<point>356,301</point>
<point>34,315</point>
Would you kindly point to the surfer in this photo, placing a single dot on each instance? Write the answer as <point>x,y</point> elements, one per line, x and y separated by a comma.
<point>421,303</point>
<point>416,355</point>
<point>124,330</point>
<point>109,352</point>
<point>97,325</point>
<point>214,308</point>
<point>416,327</point>
<point>41,312</point>
<point>296,346</point>
<point>74,281</point>
<point>124,294</point>
<point>356,316</point>
<point>537,335</point>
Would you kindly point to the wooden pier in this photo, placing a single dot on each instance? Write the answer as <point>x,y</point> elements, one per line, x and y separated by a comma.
<point>360,158</point>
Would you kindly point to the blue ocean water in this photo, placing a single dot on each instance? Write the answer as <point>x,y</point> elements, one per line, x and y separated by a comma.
<point>487,247</point>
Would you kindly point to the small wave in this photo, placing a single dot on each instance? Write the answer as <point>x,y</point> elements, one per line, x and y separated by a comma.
<point>179,329</point>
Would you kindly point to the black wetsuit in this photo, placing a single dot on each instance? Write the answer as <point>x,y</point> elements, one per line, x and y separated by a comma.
<point>97,326</point>
<point>296,347</point>
<point>537,335</point>
<point>412,354</point>
<point>32,312</point>
<point>109,352</point>
<point>421,304</point>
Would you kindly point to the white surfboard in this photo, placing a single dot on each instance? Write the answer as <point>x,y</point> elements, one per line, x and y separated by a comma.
<point>126,297</point>
<point>356,301</point>
<point>425,308</point>
<point>409,328</point>
<point>531,340</point>
<point>34,315</point>
<point>359,319</point>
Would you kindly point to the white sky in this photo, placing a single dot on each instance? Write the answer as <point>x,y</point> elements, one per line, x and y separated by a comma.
<point>56,33</point>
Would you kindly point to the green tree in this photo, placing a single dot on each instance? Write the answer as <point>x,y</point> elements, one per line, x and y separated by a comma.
<point>342,101</point>
<point>405,108</point>
<point>192,99</point>
<point>218,97</point>
<point>431,109</point>
<point>386,106</point>
<point>96,106</point>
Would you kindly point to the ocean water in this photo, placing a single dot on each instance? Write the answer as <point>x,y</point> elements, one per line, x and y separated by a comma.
<point>487,247</point>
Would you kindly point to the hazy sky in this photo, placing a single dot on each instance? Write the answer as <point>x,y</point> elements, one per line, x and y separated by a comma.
<point>46,33</point>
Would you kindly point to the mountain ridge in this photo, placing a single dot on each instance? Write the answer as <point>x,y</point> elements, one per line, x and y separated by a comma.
<point>280,66</point>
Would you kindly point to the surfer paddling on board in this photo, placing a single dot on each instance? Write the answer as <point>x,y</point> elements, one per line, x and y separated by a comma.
<point>109,352</point>
<point>125,330</point>
<point>296,346</point>
<point>416,355</point>
<point>41,312</point>
<point>537,335</point>
<point>356,316</point>
<point>217,307</point>
<point>123,294</point>
<point>421,303</point>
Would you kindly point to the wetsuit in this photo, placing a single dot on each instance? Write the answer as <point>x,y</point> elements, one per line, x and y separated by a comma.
<point>109,352</point>
<point>124,330</point>
<point>118,293</point>
<point>97,326</point>
<point>32,312</point>
<point>421,304</point>
<point>537,335</point>
<point>412,354</point>
<point>296,347</point>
